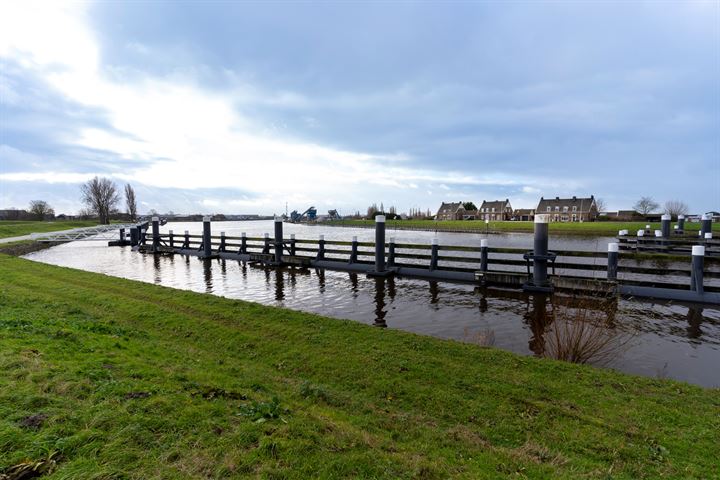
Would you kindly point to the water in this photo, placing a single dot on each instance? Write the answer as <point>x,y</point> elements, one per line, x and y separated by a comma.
<point>652,339</point>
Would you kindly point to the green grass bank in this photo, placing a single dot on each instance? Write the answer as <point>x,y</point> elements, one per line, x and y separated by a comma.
<point>609,229</point>
<point>107,378</point>
<point>12,228</point>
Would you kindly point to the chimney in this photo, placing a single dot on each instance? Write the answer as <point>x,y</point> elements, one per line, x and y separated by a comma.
<point>574,197</point>
<point>557,198</point>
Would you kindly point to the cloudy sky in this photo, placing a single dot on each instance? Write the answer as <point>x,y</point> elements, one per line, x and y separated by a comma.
<point>240,107</point>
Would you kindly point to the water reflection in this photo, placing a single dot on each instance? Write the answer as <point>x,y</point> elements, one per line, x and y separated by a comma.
<point>694,320</point>
<point>380,310</point>
<point>538,318</point>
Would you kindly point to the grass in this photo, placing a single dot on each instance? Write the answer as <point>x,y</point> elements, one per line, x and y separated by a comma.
<point>107,378</point>
<point>568,228</point>
<point>13,228</point>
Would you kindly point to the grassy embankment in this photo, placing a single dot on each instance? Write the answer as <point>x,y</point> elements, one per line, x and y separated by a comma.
<point>107,378</point>
<point>12,228</point>
<point>565,228</point>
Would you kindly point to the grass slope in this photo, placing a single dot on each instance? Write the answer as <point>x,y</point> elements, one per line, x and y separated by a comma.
<point>119,379</point>
<point>11,228</point>
<point>586,228</point>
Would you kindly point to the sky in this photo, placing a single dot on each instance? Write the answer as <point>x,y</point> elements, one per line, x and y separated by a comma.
<point>244,107</point>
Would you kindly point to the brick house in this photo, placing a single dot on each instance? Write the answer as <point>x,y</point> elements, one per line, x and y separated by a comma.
<point>451,211</point>
<point>575,209</point>
<point>524,214</point>
<point>495,210</point>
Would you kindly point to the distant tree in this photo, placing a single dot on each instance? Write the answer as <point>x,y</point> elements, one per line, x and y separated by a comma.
<point>85,214</point>
<point>130,202</point>
<point>600,204</point>
<point>100,195</point>
<point>40,209</point>
<point>372,209</point>
<point>469,206</point>
<point>645,205</point>
<point>676,207</point>
<point>392,210</point>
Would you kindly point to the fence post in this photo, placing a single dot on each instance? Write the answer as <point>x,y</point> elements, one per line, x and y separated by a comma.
<point>539,256</point>
<point>155,233</point>
<point>612,266</point>
<point>243,242</point>
<point>706,225</point>
<point>266,246</point>
<point>391,252</point>
<point>134,236</point>
<point>483,255</point>
<point>292,244</point>
<point>638,242</point>
<point>681,224</point>
<point>171,239</point>
<point>380,269</point>
<point>207,241</point>
<point>186,244</point>
<point>665,225</point>
<point>353,250</point>
<point>321,248</point>
<point>221,248</point>
<point>696,274</point>
<point>278,240</point>
<point>434,254</point>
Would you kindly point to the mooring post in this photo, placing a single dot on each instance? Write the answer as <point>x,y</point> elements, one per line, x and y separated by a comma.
<point>706,225</point>
<point>292,244</point>
<point>155,233</point>
<point>353,250</point>
<point>278,240</point>
<point>638,243</point>
<point>321,248</point>
<point>207,241</point>
<point>186,242</point>
<point>266,246</point>
<point>134,236</point>
<point>483,255</point>
<point>696,274</point>
<point>380,244</point>
<point>434,254</point>
<point>221,248</point>
<point>647,229</point>
<point>665,225</point>
<point>243,242</point>
<point>122,236</point>
<point>171,239</point>
<point>391,252</point>
<point>612,266</point>
<point>540,252</point>
<point>681,224</point>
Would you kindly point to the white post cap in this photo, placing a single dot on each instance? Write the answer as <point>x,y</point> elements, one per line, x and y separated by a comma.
<point>483,243</point>
<point>207,218</point>
<point>487,221</point>
<point>222,234</point>
<point>243,234</point>
<point>380,219</point>
<point>542,218</point>
<point>278,219</point>
<point>658,233</point>
<point>707,216</point>
<point>391,240</point>
<point>612,247</point>
<point>698,250</point>
<point>647,227</point>
<point>170,232</point>
<point>708,235</point>
<point>354,238</point>
<point>434,241</point>
<point>681,217</point>
<point>267,235</point>
<point>700,233</point>
<point>675,227</point>
<point>187,232</point>
<point>155,219</point>
<point>292,236</point>
<point>322,237</point>
<point>641,233</point>
<point>666,216</point>
<point>620,233</point>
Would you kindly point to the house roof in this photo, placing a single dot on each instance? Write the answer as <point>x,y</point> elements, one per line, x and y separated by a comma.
<point>583,204</point>
<point>498,205</point>
<point>525,211</point>
<point>446,208</point>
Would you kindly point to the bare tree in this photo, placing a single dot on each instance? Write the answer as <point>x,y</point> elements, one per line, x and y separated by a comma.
<point>600,204</point>
<point>41,209</point>
<point>645,205</point>
<point>676,207</point>
<point>101,196</point>
<point>130,202</point>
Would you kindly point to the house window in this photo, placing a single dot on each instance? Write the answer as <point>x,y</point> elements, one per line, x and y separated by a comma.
<point>574,217</point>
<point>493,209</point>
<point>557,209</point>
<point>575,208</point>
<point>565,209</point>
<point>564,218</point>
<point>548,209</point>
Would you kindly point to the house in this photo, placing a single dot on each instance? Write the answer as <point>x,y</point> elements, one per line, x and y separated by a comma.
<point>714,216</point>
<point>575,209</point>
<point>495,210</point>
<point>524,214</point>
<point>450,211</point>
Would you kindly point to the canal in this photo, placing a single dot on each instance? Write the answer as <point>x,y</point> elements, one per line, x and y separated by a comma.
<point>652,339</point>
